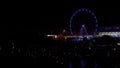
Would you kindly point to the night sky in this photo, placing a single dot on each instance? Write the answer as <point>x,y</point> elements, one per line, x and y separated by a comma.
<point>51,16</point>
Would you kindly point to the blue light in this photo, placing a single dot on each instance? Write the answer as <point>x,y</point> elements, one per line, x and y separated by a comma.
<point>79,10</point>
<point>76,12</point>
<point>71,30</point>
<point>73,15</point>
<point>97,25</point>
<point>86,10</point>
<point>71,19</point>
<point>78,39</point>
<point>83,10</point>
<point>96,22</point>
<point>95,63</point>
<point>70,64</point>
<point>71,24</point>
<point>89,11</point>
<point>93,14</point>
<point>94,17</point>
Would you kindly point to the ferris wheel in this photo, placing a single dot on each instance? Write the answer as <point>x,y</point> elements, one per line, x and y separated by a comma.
<point>83,22</point>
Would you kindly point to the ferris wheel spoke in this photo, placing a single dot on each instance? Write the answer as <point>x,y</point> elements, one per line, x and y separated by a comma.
<point>87,21</point>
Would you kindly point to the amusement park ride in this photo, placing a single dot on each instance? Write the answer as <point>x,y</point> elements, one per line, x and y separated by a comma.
<point>83,23</point>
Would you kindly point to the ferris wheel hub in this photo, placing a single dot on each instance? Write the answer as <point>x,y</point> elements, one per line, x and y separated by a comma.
<point>83,25</point>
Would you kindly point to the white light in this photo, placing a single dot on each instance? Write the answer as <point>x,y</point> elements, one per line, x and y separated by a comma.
<point>83,25</point>
<point>50,35</point>
<point>118,44</point>
<point>55,36</point>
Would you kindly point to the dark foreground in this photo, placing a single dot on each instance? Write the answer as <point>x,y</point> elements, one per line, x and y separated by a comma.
<point>46,53</point>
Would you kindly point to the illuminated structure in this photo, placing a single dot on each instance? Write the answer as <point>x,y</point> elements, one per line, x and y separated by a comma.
<point>83,19</point>
<point>83,31</point>
<point>83,23</point>
<point>111,31</point>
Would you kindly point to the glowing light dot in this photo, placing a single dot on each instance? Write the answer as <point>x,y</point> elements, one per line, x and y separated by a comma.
<point>89,11</point>
<point>118,44</point>
<point>55,36</point>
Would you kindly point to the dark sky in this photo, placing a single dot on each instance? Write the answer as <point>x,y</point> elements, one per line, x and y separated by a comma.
<point>57,15</point>
<point>46,16</point>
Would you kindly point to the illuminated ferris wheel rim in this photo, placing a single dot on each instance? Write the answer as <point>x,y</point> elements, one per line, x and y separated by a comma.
<point>83,10</point>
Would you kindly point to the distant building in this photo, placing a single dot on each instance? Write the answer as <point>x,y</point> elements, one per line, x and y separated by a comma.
<point>113,31</point>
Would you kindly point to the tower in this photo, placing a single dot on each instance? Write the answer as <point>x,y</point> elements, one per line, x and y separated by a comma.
<point>83,31</point>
